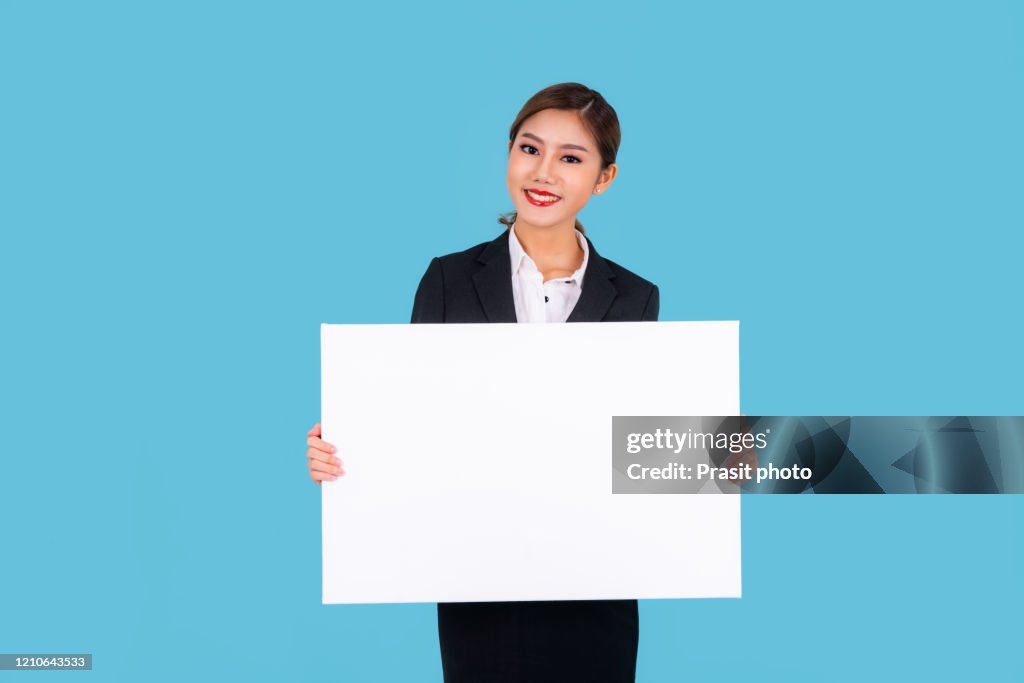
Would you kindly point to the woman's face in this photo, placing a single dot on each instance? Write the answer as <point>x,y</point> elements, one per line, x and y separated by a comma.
<point>554,167</point>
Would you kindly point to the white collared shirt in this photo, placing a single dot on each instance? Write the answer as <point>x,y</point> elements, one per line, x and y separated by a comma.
<point>538,301</point>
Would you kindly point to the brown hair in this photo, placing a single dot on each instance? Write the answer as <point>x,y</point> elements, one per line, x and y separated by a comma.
<point>597,116</point>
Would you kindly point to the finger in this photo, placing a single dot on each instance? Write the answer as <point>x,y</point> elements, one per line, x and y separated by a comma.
<point>317,466</point>
<point>321,445</point>
<point>317,475</point>
<point>314,454</point>
<point>315,431</point>
<point>323,449</point>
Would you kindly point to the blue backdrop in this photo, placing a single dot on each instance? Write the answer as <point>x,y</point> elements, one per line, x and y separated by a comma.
<point>188,189</point>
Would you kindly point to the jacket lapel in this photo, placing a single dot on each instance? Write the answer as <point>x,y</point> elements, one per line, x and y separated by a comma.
<point>598,290</point>
<point>493,282</point>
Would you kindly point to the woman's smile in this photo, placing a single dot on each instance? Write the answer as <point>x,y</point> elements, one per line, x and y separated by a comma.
<point>540,197</point>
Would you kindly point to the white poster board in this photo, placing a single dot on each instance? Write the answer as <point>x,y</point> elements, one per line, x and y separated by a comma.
<point>478,462</point>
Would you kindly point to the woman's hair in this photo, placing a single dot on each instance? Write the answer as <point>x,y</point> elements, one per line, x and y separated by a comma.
<point>597,116</point>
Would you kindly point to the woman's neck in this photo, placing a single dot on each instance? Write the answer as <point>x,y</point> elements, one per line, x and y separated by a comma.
<point>555,250</point>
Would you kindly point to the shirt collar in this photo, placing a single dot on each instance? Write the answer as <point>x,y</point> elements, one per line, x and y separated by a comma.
<point>519,257</point>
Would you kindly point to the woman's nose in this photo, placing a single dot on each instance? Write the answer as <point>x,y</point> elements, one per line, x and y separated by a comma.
<point>545,171</point>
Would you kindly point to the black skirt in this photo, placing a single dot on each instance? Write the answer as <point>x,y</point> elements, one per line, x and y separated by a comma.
<point>506,642</point>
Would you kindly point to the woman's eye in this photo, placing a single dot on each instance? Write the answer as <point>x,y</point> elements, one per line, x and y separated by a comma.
<point>529,149</point>
<point>571,159</point>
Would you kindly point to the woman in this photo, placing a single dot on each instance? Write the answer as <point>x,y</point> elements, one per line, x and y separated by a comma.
<point>562,149</point>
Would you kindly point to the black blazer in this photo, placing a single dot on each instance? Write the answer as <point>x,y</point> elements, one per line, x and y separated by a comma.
<point>475,286</point>
<point>563,641</point>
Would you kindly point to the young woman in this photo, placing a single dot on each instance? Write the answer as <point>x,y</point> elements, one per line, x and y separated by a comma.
<point>562,149</point>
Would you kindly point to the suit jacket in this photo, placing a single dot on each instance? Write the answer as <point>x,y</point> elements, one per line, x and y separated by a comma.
<point>579,640</point>
<point>475,286</point>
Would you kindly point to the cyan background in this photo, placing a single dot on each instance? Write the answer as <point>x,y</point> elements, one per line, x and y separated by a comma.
<point>188,189</point>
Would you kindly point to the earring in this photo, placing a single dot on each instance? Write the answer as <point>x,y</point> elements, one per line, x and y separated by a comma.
<point>599,191</point>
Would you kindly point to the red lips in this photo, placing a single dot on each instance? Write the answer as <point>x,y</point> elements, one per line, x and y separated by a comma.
<point>542,193</point>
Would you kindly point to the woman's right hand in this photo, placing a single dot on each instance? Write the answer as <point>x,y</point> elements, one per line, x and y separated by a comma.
<point>322,461</point>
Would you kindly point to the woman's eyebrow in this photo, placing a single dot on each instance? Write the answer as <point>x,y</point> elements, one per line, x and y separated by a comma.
<point>565,146</point>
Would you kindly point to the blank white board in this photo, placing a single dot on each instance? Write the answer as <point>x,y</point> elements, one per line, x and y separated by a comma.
<point>478,462</point>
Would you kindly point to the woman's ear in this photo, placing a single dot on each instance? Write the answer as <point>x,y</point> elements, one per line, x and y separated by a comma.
<point>605,178</point>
